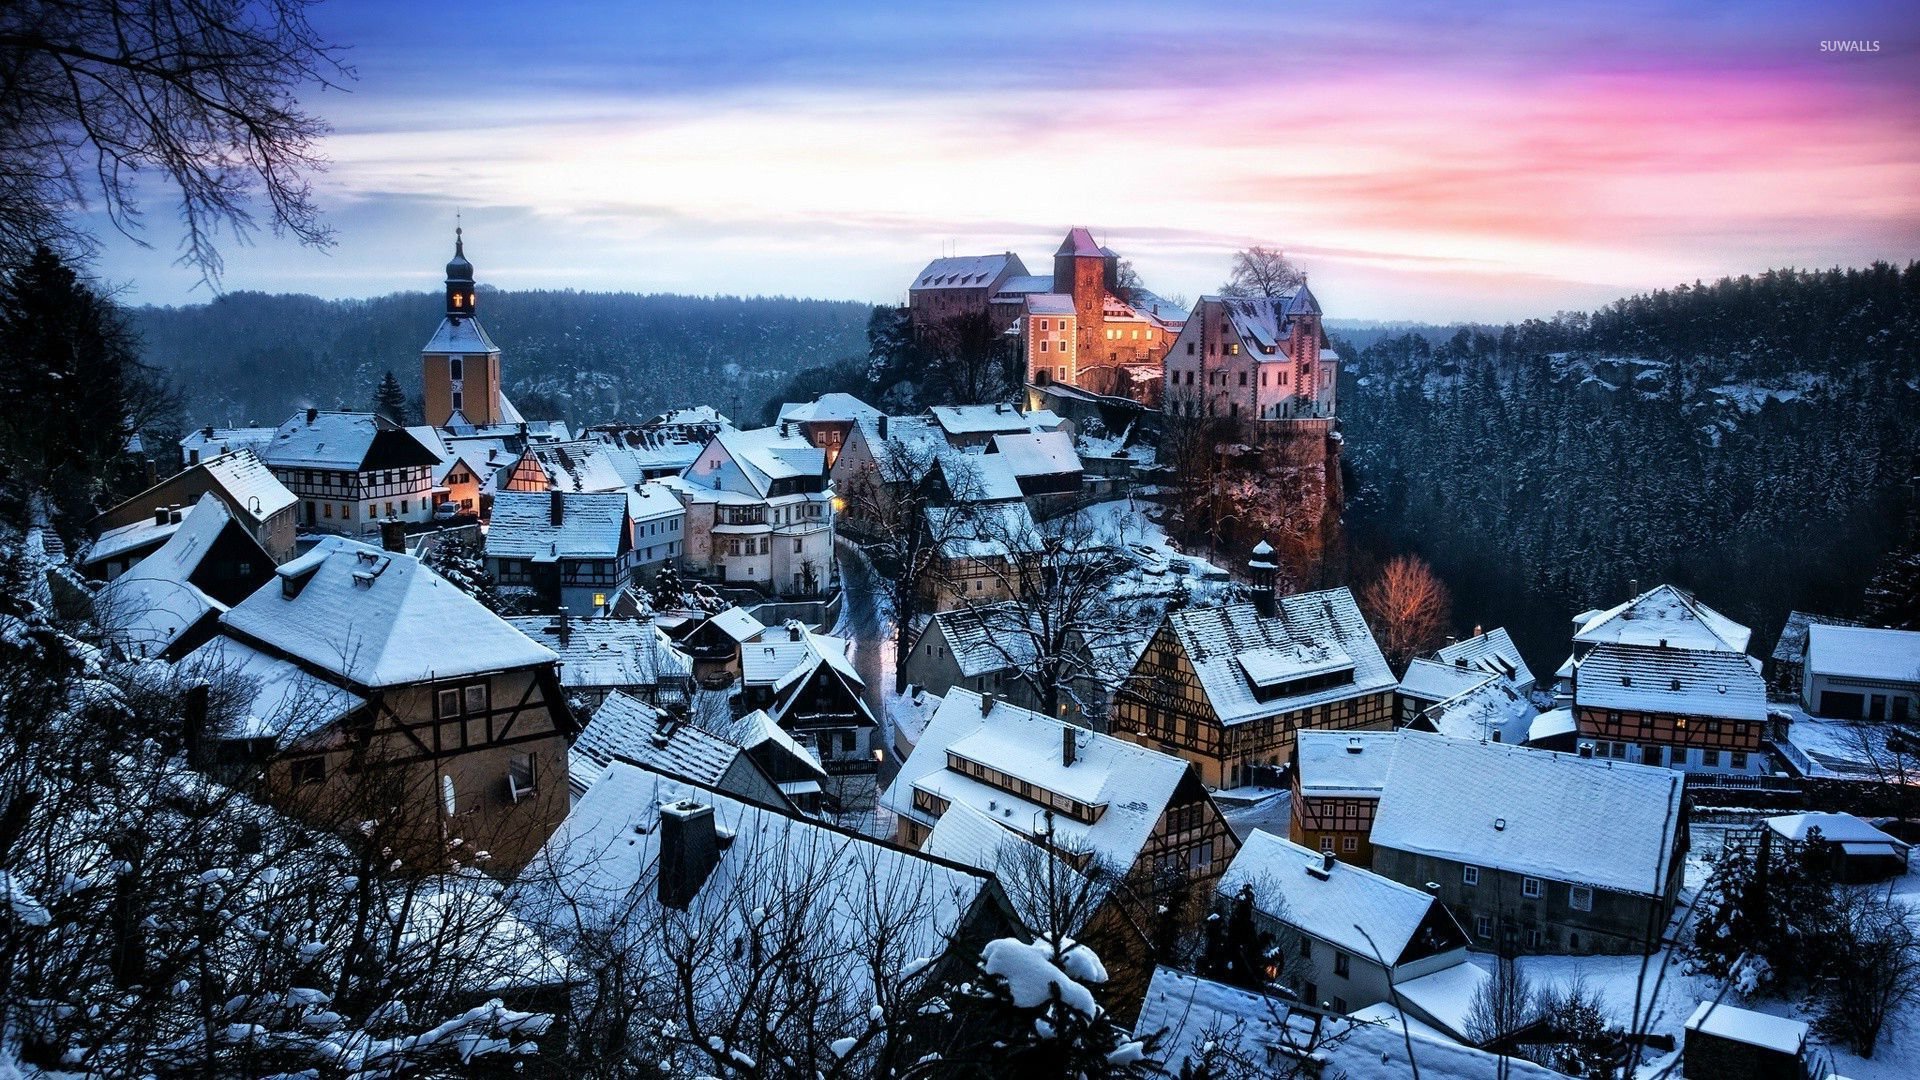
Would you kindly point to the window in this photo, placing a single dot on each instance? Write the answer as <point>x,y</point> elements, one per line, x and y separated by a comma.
<point>1580,898</point>
<point>1339,1004</point>
<point>1189,353</point>
<point>1326,842</point>
<point>520,776</point>
<point>1530,887</point>
<point>1483,926</point>
<point>446,703</point>
<point>446,794</point>
<point>453,372</point>
<point>599,599</point>
<point>1340,965</point>
<point>456,399</point>
<point>1470,875</point>
<point>1739,759</point>
<point>476,698</point>
<point>796,545</point>
<point>1533,939</point>
<point>308,770</point>
<point>1349,844</point>
<point>1043,346</point>
<point>1306,947</point>
<point>1710,758</point>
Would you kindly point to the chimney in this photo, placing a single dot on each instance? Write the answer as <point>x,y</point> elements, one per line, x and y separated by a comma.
<point>689,849</point>
<point>1586,749</point>
<point>1326,862</point>
<point>159,515</point>
<point>1633,588</point>
<point>207,431</point>
<point>312,415</point>
<point>883,426</point>
<point>986,704</point>
<point>174,515</point>
<point>556,508</point>
<point>795,630</point>
<point>1261,570</point>
<point>1068,748</point>
<point>151,471</point>
<point>393,537</point>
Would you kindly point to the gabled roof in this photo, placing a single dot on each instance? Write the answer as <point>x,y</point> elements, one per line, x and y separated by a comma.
<point>626,727</point>
<point>737,623</point>
<point>1040,453</point>
<point>1305,626</point>
<point>984,531</point>
<point>378,619</point>
<point>129,538</point>
<point>1433,680</point>
<point>605,856</point>
<point>593,525</point>
<point>214,440</point>
<point>1049,303</point>
<point>651,501</point>
<point>1843,829</point>
<point>976,478</point>
<point>991,419</point>
<point>460,335</point>
<point>607,652</point>
<point>986,638</point>
<point>1533,812</point>
<point>1019,285</point>
<point>965,271</point>
<point>1133,783</point>
<point>830,408</point>
<point>274,698</point>
<point>1492,652</point>
<point>1198,1014</point>
<point>148,608</point>
<point>1665,616</point>
<point>1344,763</point>
<point>754,459</point>
<point>1080,242</point>
<point>1333,903</point>
<point>584,465</point>
<point>1686,682</point>
<point>756,728</point>
<point>1493,709</point>
<point>1863,652</point>
<point>344,441</point>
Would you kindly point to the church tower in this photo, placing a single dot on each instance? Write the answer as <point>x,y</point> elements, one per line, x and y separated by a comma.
<point>460,367</point>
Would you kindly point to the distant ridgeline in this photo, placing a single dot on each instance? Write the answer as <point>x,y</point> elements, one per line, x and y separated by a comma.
<point>1750,440</point>
<point>578,356</point>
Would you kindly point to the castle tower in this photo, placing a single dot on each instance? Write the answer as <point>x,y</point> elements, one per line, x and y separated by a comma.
<point>460,366</point>
<point>1080,270</point>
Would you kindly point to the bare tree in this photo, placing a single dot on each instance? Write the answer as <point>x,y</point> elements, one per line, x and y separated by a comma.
<point>1408,607</point>
<point>1874,968</point>
<point>972,361</point>
<point>1262,271</point>
<point>1502,1005</point>
<point>96,94</point>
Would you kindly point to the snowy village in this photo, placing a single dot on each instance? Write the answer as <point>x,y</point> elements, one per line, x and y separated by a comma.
<point>1029,669</point>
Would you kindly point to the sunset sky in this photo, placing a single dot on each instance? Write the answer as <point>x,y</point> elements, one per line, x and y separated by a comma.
<point>1445,161</point>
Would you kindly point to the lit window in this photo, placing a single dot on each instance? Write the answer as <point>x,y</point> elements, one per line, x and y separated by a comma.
<point>599,599</point>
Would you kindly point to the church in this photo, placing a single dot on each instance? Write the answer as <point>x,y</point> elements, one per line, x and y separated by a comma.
<point>460,366</point>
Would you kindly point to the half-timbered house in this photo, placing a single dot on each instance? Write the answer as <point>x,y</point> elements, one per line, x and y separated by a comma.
<point>1336,782</point>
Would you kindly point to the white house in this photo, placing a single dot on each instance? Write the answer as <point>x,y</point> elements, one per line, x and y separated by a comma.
<point>759,512</point>
<point>1861,673</point>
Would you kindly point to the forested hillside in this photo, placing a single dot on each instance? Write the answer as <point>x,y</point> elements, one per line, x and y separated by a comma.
<point>1750,439</point>
<point>583,357</point>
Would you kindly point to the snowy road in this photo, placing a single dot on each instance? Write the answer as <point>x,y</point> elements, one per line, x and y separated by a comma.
<point>863,624</point>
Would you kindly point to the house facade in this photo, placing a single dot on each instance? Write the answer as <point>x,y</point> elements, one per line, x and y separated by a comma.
<point>239,479</point>
<point>1861,673</point>
<point>1336,782</point>
<point>351,471</point>
<point>572,551</point>
<point>1263,363</point>
<point>1507,837</point>
<point>1229,687</point>
<point>366,681</point>
<point>759,512</point>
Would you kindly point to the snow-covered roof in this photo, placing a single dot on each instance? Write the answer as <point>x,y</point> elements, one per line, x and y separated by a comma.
<point>1344,763</point>
<point>1432,680</point>
<point>460,335</point>
<point>691,416</point>
<point>378,619</point>
<point>976,477</point>
<point>1039,453</point>
<point>756,728</point>
<point>213,440</point>
<point>1199,1015</point>
<point>1133,783</point>
<point>1842,829</point>
<point>276,698</point>
<point>737,623</point>
<point>605,857</point>
<point>626,727</point>
<point>991,419</point>
<point>249,483</point>
<point>1019,285</point>
<point>1862,652</point>
<point>835,407</point>
<point>1492,652</point>
<point>1686,682</point>
<point>1551,723</point>
<point>1776,1033</point>
<point>986,638</point>
<point>1080,242</point>
<point>1664,616</point>
<point>1791,646</point>
<point>344,441</point>
<point>148,608</point>
<point>585,465</point>
<point>963,272</point>
<point>126,538</point>
<point>598,653</point>
<point>1333,903</point>
<point>1048,303</point>
<point>652,502</point>
<point>1494,709</point>
<point>1446,996</point>
<point>1533,812</point>
<point>593,525</point>
<point>983,531</point>
<point>752,460</point>
<point>1311,624</point>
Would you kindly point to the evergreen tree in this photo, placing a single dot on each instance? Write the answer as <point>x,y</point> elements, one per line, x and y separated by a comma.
<point>72,389</point>
<point>389,400</point>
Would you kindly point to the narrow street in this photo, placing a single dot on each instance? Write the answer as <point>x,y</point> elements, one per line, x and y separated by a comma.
<point>868,632</point>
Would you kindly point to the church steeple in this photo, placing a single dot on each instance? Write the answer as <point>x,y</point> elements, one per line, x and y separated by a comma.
<point>460,295</point>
